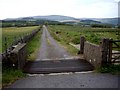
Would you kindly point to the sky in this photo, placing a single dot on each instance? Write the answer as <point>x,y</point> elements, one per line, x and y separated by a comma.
<point>74,8</point>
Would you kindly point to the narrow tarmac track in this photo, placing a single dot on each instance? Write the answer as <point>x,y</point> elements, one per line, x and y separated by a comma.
<point>54,58</point>
<point>50,49</point>
<point>73,80</point>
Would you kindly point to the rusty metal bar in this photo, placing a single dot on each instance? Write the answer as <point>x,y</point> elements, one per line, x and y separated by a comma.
<point>110,51</point>
<point>116,41</point>
<point>116,53</point>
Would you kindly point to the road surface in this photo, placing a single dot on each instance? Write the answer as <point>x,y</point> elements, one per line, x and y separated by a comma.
<point>54,58</point>
<point>50,49</point>
<point>74,80</point>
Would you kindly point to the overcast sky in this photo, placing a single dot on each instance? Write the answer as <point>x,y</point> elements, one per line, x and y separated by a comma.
<point>74,8</point>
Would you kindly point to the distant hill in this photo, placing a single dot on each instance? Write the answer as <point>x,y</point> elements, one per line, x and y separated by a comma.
<point>88,21</point>
<point>71,20</point>
<point>49,17</point>
<point>114,21</point>
<point>55,17</point>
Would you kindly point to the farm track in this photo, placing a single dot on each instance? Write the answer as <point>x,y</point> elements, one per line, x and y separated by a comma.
<point>50,49</point>
<point>53,58</point>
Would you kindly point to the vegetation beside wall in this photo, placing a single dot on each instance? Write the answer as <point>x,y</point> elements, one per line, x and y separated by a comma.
<point>33,46</point>
<point>101,25</point>
<point>72,34</point>
<point>9,75</point>
<point>113,69</point>
<point>13,33</point>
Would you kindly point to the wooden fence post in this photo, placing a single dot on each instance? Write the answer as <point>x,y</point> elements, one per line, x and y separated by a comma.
<point>6,46</point>
<point>15,40</point>
<point>110,51</point>
<point>104,51</point>
<point>82,41</point>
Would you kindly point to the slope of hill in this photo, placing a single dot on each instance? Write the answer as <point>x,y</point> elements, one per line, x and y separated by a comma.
<point>55,17</point>
<point>67,19</point>
<point>88,21</point>
<point>49,17</point>
<point>114,21</point>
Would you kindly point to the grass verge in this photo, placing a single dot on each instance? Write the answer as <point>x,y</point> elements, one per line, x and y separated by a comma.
<point>64,43</point>
<point>33,47</point>
<point>72,33</point>
<point>113,69</point>
<point>10,75</point>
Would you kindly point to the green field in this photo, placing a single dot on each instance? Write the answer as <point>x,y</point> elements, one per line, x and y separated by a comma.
<point>9,75</point>
<point>71,34</point>
<point>14,32</point>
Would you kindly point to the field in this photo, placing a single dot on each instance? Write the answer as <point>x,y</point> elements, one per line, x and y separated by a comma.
<point>13,33</point>
<point>66,34</point>
<point>9,74</point>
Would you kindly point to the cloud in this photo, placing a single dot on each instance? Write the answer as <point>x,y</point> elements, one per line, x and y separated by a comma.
<point>75,8</point>
<point>96,9</point>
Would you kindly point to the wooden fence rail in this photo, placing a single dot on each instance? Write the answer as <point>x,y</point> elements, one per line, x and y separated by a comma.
<point>114,56</point>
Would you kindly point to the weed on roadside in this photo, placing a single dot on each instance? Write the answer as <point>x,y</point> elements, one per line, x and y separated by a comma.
<point>10,75</point>
<point>113,69</point>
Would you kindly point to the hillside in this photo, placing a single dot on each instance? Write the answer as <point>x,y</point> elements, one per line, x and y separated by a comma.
<point>55,17</point>
<point>114,21</point>
<point>49,17</point>
<point>71,20</point>
<point>88,21</point>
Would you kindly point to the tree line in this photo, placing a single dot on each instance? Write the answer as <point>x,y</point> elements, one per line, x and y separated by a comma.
<point>101,25</point>
<point>23,23</point>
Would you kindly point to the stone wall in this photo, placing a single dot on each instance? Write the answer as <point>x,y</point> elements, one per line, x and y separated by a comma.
<point>92,53</point>
<point>21,39</point>
<point>18,56</point>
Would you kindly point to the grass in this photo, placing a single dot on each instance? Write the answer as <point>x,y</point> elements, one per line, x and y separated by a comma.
<point>10,75</point>
<point>113,69</point>
<point>62,40</point>
<point>71,34</point>
<point>33,47</point>
<point>14,32</point>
